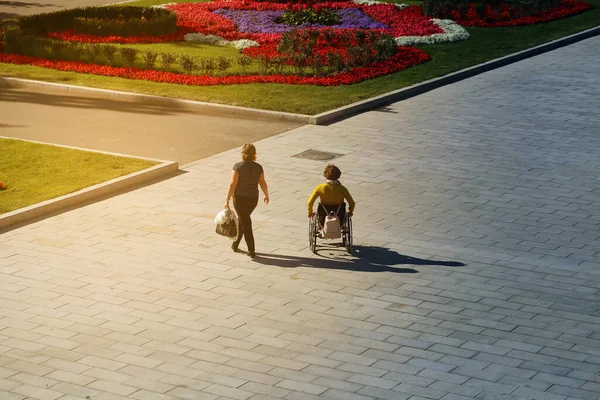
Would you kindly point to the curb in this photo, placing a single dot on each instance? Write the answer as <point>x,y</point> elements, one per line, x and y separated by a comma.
<point>324,118</point>
<point>36,212</point>
<point>209,108</point>
<point>385,99</point>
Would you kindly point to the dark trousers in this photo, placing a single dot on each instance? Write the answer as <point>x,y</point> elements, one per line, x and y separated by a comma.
<point>243,207</point>
<point>341,213</point>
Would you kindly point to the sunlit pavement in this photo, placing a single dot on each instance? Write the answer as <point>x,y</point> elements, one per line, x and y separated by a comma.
<point>10,8</point>
<point>475,272</point>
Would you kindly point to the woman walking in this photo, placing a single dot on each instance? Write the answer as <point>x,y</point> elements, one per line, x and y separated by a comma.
<point>245,178</point>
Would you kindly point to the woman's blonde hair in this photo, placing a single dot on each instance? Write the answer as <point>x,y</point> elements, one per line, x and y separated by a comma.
<point>249,152</point>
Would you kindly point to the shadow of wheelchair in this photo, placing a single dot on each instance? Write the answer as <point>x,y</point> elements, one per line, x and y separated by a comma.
<point>363,259</point>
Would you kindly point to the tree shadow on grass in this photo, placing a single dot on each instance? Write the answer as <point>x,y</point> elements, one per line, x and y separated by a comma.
<point>363,259</point>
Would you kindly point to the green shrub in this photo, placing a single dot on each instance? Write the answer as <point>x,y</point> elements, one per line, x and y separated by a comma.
<point>57,47</point>
<point>209,65</point>
<point>129,55</point>
<point>223,63</point>
<point>108,51</point>
<point>121,21</point>
<point>14,39</point>
<point>263,65</point>
<point>362,48</point>
<point>149,57</point>
<point>318,66</point>
<point>187,64</point>
<point>16,42</point>
<point>299,62</point>
<point>278,64</point>
<point>308,15</point>
<point>385,47</point>
<point>167,59</point>
<point>157,25</point>
<point>336,62</point>
<point>76,49</point>
<point>93,52</point>
<point>244,61</point>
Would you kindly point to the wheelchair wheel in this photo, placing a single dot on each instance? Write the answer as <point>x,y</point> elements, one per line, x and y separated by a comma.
<point>312,234</point>
<point>347,236</point>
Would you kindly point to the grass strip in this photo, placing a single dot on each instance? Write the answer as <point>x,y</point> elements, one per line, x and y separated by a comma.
<point>34,172</point>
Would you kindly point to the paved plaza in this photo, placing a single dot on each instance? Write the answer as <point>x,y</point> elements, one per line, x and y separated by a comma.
<point>475,275</point>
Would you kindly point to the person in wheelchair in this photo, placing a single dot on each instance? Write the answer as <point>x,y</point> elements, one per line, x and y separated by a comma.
<point>332,195</point>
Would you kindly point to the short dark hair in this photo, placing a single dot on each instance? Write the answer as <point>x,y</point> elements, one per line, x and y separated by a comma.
<point>332,172</point>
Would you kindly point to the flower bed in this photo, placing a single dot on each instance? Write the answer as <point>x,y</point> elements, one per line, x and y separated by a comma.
<point>507,15</point>
<point>72,36</point>
<point>239,19</point>
<point>138,22</point>
<point>404,58</point>
<point>359,48</point>
<point>254,27</point>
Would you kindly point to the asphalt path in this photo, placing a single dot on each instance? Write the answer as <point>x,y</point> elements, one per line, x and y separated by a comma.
<point>126,127</point>
<point>10,9</point>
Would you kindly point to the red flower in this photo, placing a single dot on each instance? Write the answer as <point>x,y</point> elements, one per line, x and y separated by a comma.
<point>71,36</point>
<point>199,17</point>
<point>404,58</point>
<point>508,15</point>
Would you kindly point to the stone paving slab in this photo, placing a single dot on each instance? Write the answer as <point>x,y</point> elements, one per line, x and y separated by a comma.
<point>475,274</point>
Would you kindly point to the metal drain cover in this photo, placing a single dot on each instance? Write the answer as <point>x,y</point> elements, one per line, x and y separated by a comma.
<point>317,155</point>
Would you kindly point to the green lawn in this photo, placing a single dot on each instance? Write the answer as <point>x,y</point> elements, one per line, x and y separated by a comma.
<point>484,44</point>
<point>33,172</point>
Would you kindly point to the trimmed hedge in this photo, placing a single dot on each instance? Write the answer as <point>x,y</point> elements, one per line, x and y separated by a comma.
<point>442,8</point>
<point>160,24</point>
<point>151,21</point>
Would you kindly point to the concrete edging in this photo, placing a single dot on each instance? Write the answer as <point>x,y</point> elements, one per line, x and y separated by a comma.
<point>324,118</point>
<point>385,99</point>
<point>41,210</point>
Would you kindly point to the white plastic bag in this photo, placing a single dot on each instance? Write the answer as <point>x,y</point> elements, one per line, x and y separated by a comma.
<point>224,217</point>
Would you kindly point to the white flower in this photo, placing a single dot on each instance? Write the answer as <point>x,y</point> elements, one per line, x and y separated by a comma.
<point>163,5</point>
<point>452,32</point>
<point>372,2</point>
<point>243,44</point>
<point>219,41</point>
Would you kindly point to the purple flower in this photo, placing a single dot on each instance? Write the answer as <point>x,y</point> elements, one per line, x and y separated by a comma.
<point>355,18</point>
<point>250,21</point>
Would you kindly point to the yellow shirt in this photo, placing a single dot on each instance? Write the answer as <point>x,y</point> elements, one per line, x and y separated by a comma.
<point>331,194</point>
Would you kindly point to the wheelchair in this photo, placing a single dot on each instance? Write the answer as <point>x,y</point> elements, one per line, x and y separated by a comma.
<point>314,229</point>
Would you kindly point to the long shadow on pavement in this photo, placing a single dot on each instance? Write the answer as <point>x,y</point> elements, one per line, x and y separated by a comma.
<point>6,8</point>
<point>15,4</point>
<point>364,259</point>
<point>13,95</point>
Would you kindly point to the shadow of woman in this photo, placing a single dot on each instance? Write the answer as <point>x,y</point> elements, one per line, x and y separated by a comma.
<point>363,259</point>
